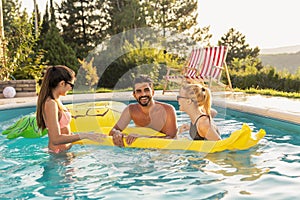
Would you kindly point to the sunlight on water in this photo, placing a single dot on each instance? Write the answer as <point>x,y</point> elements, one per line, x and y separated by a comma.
<point>271,168</point>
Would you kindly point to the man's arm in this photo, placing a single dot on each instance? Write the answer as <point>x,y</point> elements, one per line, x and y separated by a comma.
<point>119,126</point>
<point>122,122</point>
<point>170,127</point>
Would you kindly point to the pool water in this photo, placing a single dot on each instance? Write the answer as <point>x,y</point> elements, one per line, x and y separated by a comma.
<point>269,170</point>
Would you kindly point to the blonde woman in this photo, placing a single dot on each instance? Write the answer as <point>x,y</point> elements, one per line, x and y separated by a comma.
<point>51,113</point>
<point>195,100</point>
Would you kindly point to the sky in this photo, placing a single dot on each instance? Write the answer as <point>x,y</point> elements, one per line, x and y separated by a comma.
<point>265,23</point>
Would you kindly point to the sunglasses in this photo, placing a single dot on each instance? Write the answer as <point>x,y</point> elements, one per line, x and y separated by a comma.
<point>182,97</point>
<point>71,84</point>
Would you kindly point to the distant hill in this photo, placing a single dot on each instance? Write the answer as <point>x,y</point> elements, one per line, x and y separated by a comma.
<point>282,58</point>
<point>280,50</point>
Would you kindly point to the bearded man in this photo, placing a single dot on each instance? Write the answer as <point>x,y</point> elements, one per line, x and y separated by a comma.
<point>145,113</point>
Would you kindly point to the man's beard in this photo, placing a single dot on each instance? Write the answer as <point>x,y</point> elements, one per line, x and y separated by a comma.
<point>144,104</point>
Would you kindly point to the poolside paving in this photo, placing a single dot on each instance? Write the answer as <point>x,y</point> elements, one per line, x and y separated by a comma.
<point>282,108</point>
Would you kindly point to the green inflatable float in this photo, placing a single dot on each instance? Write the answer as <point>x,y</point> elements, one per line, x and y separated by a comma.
<point>26,127</point>
<point>86,117</point>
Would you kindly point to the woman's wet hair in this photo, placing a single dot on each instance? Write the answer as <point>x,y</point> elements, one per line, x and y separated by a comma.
<point>199,94</point>
<point>53,76</point>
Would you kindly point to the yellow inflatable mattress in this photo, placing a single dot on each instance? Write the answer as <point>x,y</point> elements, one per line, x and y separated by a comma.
<point>101,117</point>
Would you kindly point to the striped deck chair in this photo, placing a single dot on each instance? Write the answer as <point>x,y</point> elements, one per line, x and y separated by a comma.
<point>204,65</point>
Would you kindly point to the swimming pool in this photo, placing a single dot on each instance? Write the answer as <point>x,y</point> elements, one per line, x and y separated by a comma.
<point>271,168</point>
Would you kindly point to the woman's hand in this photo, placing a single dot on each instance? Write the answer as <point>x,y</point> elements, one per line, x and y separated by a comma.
<point>97,137</point>
<point>183,128</point>
<point>117,137</point>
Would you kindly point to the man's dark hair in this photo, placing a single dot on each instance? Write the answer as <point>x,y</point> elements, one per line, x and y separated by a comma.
<point>142,79</point>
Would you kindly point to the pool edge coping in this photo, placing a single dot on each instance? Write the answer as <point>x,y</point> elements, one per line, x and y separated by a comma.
<point>241,106</point>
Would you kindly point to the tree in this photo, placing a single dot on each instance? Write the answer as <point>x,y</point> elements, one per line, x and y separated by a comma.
<point>171,16</point>
<point>174,22</point>
<point>10,10</point>
<point>23,60</point>
<point>87,76</point>
<point>238,48</point>
<point>46,22</point>
<point>56,51</point>
<point>84,24</point>
<point>52,12</point>
<point>176,17</point>
<point>125,15</point>
<point>247,65</point>
<point>297,74</point>
<point>173,28</point>
<point>36,18</point>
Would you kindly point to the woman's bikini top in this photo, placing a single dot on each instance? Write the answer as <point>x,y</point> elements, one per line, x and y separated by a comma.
<point>65,119</point>
<point>193,130</point>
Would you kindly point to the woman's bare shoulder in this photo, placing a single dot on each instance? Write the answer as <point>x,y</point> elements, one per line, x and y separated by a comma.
<point>50,104</point>
<point>204,122</point>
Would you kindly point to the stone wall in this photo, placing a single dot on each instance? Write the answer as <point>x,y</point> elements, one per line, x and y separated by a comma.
<point>23,87</point>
